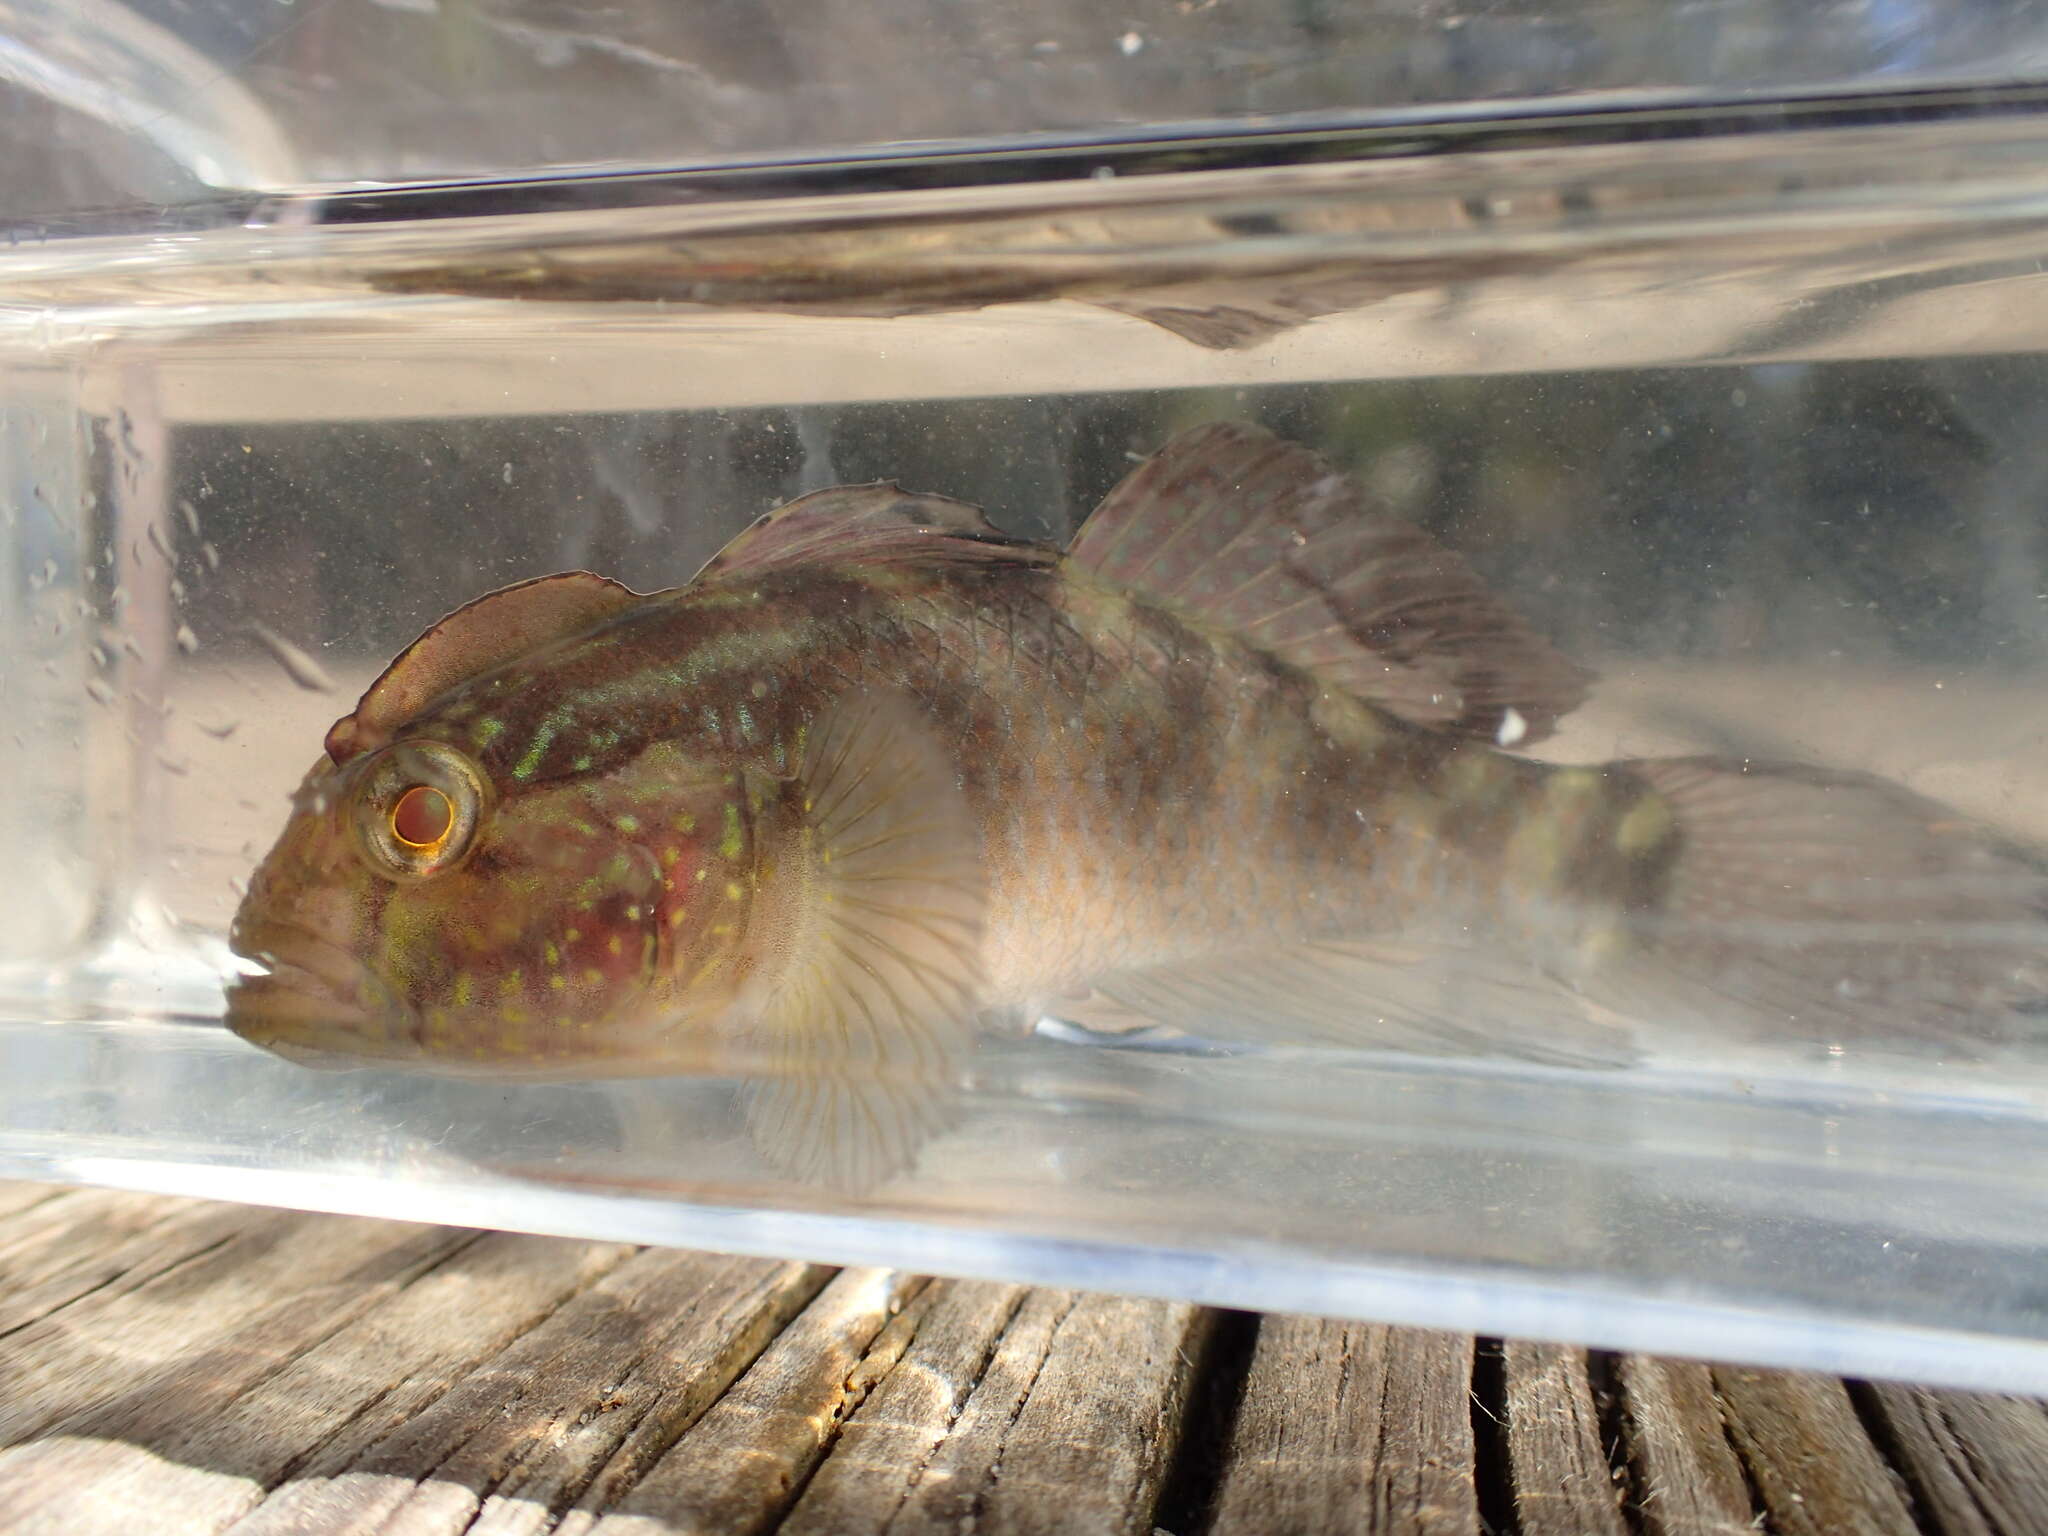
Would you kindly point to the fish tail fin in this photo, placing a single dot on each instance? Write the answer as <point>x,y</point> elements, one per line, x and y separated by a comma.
<point>1809,905</point>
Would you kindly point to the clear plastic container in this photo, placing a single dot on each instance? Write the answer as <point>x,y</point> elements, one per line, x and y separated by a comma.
<point>1737,403</point>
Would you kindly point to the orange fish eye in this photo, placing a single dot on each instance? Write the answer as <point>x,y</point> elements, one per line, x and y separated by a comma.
<point>422,816</point>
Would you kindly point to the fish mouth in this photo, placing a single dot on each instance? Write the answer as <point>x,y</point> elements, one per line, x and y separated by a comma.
<point>314,1003</point>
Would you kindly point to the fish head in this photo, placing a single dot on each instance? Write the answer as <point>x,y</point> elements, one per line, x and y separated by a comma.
<point>421,910</point>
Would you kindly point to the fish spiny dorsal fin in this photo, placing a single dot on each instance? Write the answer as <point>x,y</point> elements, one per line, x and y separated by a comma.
<point>864,1024</point>
<point>474,638</point>
<point>1259,537</point>
<point>870,524</point>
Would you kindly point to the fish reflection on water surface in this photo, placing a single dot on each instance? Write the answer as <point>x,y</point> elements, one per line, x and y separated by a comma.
<point>880,776</point>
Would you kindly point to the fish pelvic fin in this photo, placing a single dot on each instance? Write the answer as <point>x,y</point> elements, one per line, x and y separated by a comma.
<point>879,524</point>
<point>1811,905</point>
<point>496,628</point>
<point>1264,540</point>
<point>867,1015</point>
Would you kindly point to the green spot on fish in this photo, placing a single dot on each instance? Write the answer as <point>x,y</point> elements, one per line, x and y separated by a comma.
<point>627,824</point>
<point>529,764</point>
<point>732,841</point>
<point>1645,827</point>
<point>486,731</point>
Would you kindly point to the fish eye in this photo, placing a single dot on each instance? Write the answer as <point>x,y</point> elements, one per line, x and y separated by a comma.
<point>422,817</point>
<point>418,805</point>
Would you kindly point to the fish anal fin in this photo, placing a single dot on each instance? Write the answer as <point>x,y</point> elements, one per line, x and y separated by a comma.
<point>1261,538</point>
<point>476,637</point>
<point>866,1016</point>
<point>868,524</point>
<point>1419,995</point>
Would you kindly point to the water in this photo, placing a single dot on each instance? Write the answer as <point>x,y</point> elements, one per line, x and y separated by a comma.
<point>1740,408</point>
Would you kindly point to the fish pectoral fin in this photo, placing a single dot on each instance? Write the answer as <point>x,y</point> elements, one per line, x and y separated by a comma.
<point>1264,540</point>
<point>1410,994</point>
<point>864,1028</point>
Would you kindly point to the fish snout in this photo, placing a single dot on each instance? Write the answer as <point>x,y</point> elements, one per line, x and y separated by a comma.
<point>314,1002</point>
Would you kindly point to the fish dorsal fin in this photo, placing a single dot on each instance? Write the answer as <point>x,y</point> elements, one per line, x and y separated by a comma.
<point>863,1027</point>
<point>1261,538</point>
<point>870,524</point>
<point>474,638</point>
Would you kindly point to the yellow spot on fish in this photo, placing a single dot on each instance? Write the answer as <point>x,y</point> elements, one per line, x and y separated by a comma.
<point>1646,825</point>
<point>558,981</point>
<point>731,842</point>
<point>572,935</point>
<point>593,976</point>
<point>670,854</point>
<point>633,914</point>
<point>675,918</point>
<point>701,873</point>
<point>465,989</point>
<point>612,944</point>
<point>627,823</point>
<point>733,891</point>
<point>513,1015</point>
<point>508,984</point>
<point>554,955</point>
<point>683,821</point>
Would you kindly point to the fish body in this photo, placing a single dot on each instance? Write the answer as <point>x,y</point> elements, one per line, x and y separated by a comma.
<point>880,771</point>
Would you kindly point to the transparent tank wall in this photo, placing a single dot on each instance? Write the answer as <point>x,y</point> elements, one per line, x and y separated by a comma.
<point>1749,422</point>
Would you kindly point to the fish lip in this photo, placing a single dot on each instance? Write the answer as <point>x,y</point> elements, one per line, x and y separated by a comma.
<point>310,980</point>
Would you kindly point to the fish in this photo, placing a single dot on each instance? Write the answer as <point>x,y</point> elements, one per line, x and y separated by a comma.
<point>882,778</point>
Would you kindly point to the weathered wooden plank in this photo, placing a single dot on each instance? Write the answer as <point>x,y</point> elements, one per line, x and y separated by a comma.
<point>1563,1484</point>
<point>230,1264</point>
<point>74,1228</point>
<point>569,1413</point>
<point>1977,1464</point>
<point>196,1446</point>
<point>1072,1426</point>
<point>738,1469</point>
<point>19,1197</point>
<point>912,1458</point>
<point>1689,1480</point>
<point>1807,1452</point>
<point>110,1246</point>
<point>1348,1427</point>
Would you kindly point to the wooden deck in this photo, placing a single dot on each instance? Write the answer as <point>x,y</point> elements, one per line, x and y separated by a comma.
<point>174,1366</point>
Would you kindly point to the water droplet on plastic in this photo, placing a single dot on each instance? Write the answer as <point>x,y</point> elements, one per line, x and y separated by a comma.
<point>175,766</point>
<point>187,641</point>
<point>101,690</point>
<point>191,515</point>
<point>43,576</point>
<point>212,556</point>
<point>507,475</point>
<point>177,590</point>
<point>221,732</point>
<point>298,666</point>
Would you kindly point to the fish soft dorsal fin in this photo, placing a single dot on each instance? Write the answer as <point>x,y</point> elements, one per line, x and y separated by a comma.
<point>867,1009</point>
<point>1260,537</point>
<point>474,638</point>
<point>870,524</point>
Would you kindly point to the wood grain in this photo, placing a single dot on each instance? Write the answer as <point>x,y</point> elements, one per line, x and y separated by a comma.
<point>1808,1454</point>
<point>1563,1483</point>
<point>1348,1427</point>
<point>1688,1479</point>
<point>1977,1464</point>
